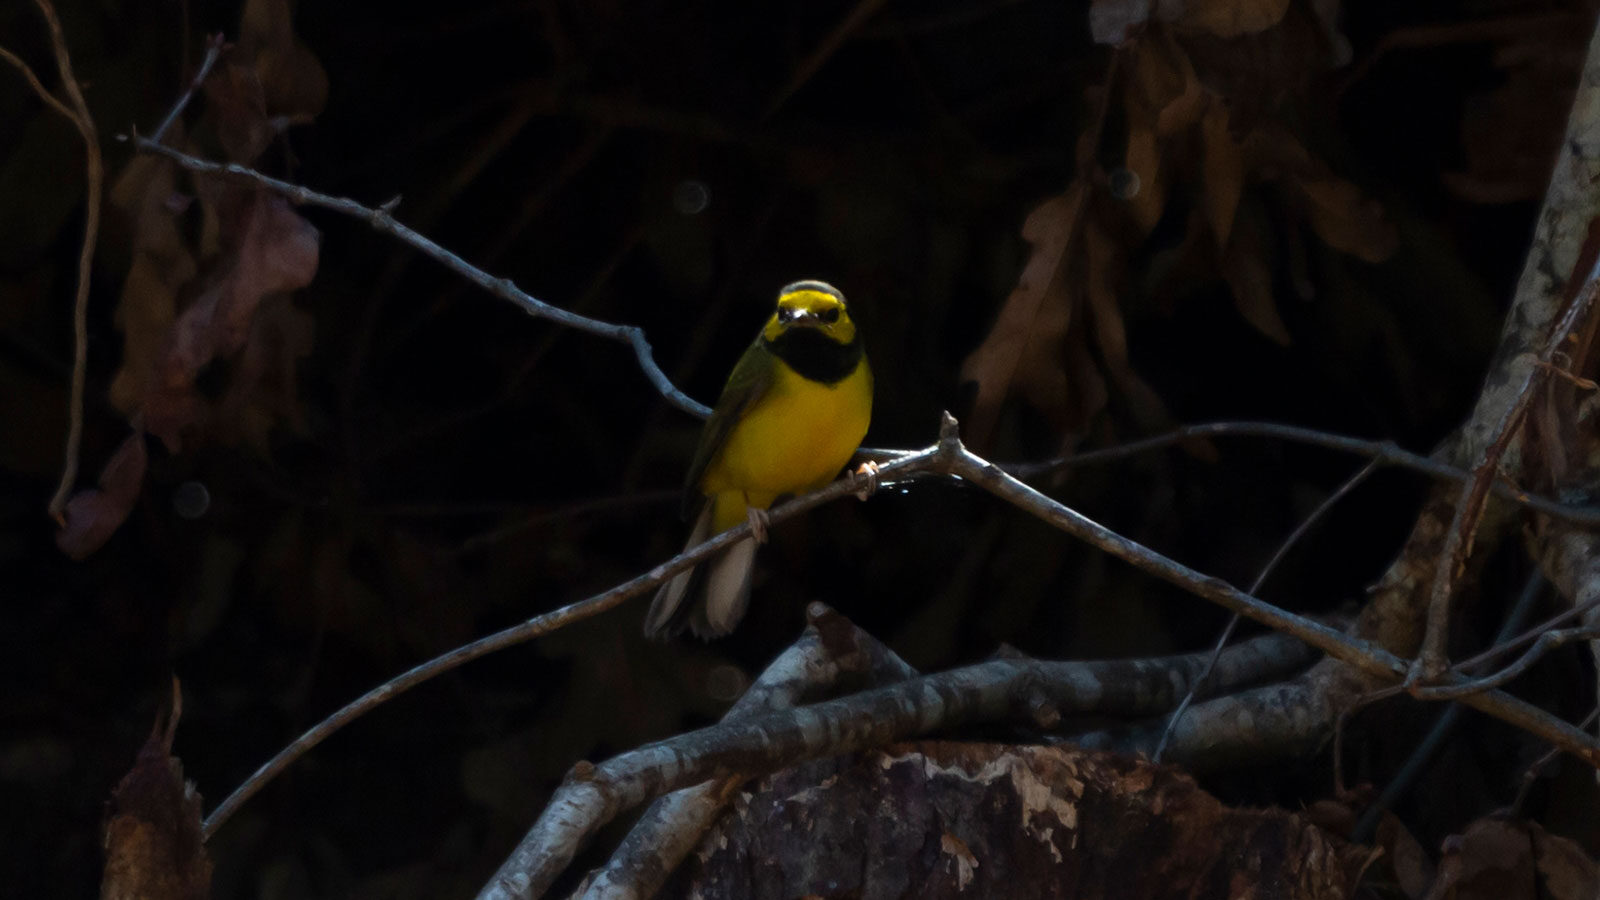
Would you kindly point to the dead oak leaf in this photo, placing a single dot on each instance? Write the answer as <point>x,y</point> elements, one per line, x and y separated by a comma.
<point>1222,164</point>
<point>1102,287</point>
<point>1346,219</point>
<point>1247,267</point>
<point>1569,873</point>
<point>294,86</point>
<point>1022,344</point>
<point>269,249</point>
<point>162,265</point>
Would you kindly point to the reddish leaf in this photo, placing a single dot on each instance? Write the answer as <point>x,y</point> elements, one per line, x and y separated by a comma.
<point>269,249</point>
<point>92,516</point>
<point>162,266</point>
<point>276,250</point>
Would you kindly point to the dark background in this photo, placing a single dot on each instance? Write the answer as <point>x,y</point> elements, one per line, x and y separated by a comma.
<point>447,466</point>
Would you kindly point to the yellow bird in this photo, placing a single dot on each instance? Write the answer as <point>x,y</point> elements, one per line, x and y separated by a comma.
<point>791,415</point>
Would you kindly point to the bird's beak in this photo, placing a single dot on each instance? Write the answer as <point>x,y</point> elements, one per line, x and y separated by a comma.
<point>804,318</point>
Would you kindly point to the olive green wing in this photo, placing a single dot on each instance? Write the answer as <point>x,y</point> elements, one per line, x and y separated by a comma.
<point>751,379</point>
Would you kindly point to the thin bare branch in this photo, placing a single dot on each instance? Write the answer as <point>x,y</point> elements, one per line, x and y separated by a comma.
<point>1416,763</point>
<point>215,46</point>
<point>544,623</point>
<point>1288,544</point>
<point>38,87</point>
<point>1384,452</point>
<point>77,112</point>
<point>947,457</point>
<point>380,219</point>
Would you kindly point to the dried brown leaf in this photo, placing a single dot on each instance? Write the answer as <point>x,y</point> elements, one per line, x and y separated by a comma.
<point>1569,873</point>
<point>162,265</point>
<point>1162,91</point>
<point>1144,160</point>
<point>1183,109</point>
<point>1412,870</point>
<point>1232,18</point>
<point>1222,163</point>
<point>274,250</point>
<point>1247,267</point>
<point>263,391</point>
<point>1105,271</point>
<point>268,249</point>
<point>1347,220</point>
<point>237,110</point>
<point>1022,345</point>
<point>294,85</point>
<point>1491,860</point>
<point>1337,210</point>
<point>152,830</point>
<point>93,515</point>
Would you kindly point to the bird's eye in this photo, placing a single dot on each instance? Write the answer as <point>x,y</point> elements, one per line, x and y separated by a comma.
<point>829,315</point>
<point>785,314</point>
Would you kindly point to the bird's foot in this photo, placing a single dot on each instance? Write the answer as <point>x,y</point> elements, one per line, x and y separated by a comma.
<point>759,523</point>
<point>866,477</point>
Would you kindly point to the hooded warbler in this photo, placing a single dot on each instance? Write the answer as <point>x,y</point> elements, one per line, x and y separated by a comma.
<point>791,415</point>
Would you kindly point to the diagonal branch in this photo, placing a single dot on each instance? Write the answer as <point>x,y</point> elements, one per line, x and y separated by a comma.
<point>381,219</point>
<point>905,467</point>
<point>947,457</point>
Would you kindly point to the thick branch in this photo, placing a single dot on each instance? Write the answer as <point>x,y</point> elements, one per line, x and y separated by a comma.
<point>831,649</point>
<point>1557,262</point>
<point>998,690</point>
<point>1362,655</point>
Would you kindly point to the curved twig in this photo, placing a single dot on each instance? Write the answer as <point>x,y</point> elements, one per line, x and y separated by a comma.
<point>76,111</point>
<point>1288,544</point>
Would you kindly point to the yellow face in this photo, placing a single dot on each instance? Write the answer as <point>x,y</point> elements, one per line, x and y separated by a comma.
<point>811,304</point>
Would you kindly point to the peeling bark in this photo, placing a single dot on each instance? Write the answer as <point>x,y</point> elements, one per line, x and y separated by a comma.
<point>942,819</point>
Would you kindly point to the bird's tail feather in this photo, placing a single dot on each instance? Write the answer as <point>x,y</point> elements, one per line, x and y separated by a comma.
<point>710,599</point>
<point>727,591</point>
<point>668,614</point>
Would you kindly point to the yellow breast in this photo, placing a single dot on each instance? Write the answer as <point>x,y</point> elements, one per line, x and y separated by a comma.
<point>796,438</point>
